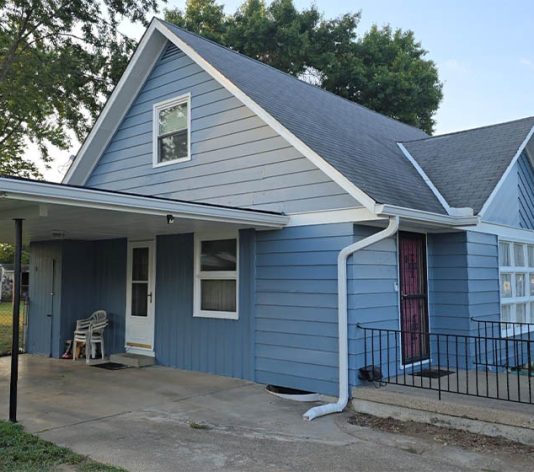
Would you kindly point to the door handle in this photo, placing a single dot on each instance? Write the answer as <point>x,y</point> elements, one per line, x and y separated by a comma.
<point>49,316</point>
<point>150,296</point>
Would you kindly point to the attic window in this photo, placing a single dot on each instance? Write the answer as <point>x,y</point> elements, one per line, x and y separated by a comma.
<point>172,131</point>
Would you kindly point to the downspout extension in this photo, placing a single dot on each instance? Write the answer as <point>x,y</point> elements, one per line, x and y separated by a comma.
<point>343,255</point>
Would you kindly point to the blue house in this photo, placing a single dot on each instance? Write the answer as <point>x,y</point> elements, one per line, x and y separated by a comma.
<point>232,219</point>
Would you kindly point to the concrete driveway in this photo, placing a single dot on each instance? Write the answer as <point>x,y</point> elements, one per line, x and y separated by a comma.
<point>147,420</point>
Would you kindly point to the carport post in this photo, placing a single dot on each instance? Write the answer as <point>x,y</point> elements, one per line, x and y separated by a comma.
<point>16,318</point>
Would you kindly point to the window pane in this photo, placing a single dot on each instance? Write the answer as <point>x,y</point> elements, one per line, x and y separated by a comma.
<point>173,147</point>
<point>139,299</point>
<point>519,285</point>
<point>506,285</point>
<point>504,254</point>
<point>521,313</point>
<point>506,312</point>
<point>519,255</point>
<point>532,283</point>
<point>531,316</point>
<point>218,295</point>
<point>218,255</point>
<point>531,256</point>
<point>173,119</point>
<point>140,263</point>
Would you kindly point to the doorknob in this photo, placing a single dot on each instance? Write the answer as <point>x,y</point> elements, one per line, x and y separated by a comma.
<point>150,296</point>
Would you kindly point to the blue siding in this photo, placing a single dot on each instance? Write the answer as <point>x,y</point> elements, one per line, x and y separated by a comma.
<point>526,192</point>
<point>236,158</point>
<point>296,306</point>
<point>222,347</point>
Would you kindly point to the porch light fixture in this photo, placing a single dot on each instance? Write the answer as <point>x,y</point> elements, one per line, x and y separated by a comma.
<point>170,219</point>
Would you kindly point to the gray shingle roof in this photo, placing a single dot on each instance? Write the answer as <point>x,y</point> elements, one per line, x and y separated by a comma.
<point>359,143</point>
<point>467,165</point>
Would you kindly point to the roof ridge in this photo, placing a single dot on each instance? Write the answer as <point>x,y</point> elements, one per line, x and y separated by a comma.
<point>315,87</point>
<point>452,133</point>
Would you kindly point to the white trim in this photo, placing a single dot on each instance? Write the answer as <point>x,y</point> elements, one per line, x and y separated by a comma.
<point>151,313</point>
<point>506,172</point>
<point>504,232</point>
<point>426,178</point>
<point>315,158</point>
<point>426,216</point>
<point>156,110</point>
<point>44,192</point>
<point>111,128</point>
<point>222,275</point>
<point>344,215</point>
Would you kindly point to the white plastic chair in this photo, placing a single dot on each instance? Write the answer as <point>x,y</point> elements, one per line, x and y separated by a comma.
<point>90,331</point>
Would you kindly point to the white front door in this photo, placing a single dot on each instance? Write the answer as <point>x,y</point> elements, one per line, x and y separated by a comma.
<point>140,299</point>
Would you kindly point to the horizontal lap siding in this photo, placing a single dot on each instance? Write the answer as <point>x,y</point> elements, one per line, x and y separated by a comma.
<point>296,306</point>
<point>217,346</point>
<point>236,158</point>
<point>373,299</point>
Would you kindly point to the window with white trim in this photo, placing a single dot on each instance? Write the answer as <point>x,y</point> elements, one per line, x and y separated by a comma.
<point>172,131</point>
<point>216,284</point>
<point>516,272</point>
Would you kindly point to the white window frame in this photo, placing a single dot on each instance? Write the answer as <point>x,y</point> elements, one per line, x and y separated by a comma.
<point>514,300</point>
<point>214,275</point>
<point>158,108</point>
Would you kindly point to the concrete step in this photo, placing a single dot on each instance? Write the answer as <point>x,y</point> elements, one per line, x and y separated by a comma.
<point>132,360</point>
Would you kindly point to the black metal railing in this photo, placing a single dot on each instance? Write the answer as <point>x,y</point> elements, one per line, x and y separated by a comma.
<point>492,366</point>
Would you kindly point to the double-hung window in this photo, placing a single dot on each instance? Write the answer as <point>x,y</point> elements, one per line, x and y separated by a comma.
<point>516,267</point>
<point>216,276</point>
<point>171,133</point>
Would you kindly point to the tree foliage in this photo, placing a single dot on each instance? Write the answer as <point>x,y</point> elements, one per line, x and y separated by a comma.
<point>59,60</point>
<point>384,69</point>
<point>7,254</point>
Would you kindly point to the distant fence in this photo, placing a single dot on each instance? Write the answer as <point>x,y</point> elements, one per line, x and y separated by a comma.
<point>6,325</point>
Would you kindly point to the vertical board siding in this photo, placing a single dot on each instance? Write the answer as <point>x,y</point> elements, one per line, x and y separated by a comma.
<point>236,158</point>
<point>216,346</point>
<point>526,192</point>
<point>41,328</point>
<point>373,300</point>
<point>296,306</point>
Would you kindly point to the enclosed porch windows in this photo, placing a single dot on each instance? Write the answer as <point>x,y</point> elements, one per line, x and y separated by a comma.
<point>516,267</point>
<point>216,276</point>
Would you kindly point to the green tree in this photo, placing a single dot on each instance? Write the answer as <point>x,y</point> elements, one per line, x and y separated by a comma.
<point>7,254</point>
<point>384,69</point>
<point>59,60</point>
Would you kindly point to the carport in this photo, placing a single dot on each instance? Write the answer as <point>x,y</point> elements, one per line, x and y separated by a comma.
<point>44,211</point>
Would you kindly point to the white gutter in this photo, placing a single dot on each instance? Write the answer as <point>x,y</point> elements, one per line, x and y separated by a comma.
<point>426,216</point>
<point>343,255</point>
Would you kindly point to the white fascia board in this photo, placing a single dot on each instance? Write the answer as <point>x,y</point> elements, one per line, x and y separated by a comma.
<point>41,192</point>
<point>506,232</point>
<point>426,216</point>
<point>521,148</point>
<point>426,178</point>
<point>139,67</point>
<point>345,215</point>
<point>315,158</point>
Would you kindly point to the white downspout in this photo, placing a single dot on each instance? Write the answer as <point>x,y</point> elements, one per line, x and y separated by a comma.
<point>343,255</point>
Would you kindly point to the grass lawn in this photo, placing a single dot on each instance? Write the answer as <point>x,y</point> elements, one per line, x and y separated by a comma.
<point>6,317</point>
<point>24,452</point>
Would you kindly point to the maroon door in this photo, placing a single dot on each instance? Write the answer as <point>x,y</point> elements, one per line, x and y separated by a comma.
<point>413,297</point>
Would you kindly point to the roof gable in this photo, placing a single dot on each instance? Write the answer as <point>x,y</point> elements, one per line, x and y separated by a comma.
<point>468,167</point>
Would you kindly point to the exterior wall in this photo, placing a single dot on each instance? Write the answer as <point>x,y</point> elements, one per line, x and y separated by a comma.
<point>236,158</point>
<point>217,346</point>
<point>296,306</point>
<point>90,275</point>
<point>514,203</point>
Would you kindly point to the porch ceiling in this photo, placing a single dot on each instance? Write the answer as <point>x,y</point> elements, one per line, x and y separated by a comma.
<point>56,211</point>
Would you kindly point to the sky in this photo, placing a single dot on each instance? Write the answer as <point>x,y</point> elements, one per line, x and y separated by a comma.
<point>484,51</point>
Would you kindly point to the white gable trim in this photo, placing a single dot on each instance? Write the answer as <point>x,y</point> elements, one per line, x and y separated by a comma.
<point>139,67</point>
<point>426,178</point>
<point>490,199</point>
<point>96,145</point>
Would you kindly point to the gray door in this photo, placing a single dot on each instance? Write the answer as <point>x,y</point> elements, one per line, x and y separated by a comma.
<point>43,304</point>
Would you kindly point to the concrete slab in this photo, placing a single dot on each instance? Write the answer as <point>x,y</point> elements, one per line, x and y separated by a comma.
<point>142,419</point>
<point>132,360</point>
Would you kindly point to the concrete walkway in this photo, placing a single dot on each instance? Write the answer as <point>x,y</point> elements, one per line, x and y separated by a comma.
<point>142,419</point>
